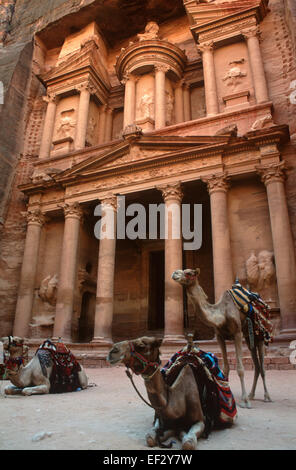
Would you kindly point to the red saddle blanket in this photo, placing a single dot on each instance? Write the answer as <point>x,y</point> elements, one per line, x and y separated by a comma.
<point>65,367</point>
<point>217,401</point>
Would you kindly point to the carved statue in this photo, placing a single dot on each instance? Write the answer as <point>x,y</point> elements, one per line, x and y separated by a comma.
<point>169,107</point>
<point>151,32</point>
<point>146,106</point>
<point>260,270</point>
<point>66,125</point>
<point>233,75</point>
<point>262,122</point>
<point>48,289</point>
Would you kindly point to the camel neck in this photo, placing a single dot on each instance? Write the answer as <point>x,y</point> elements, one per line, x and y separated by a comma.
<point>199,297</point>
<point>157,390</point>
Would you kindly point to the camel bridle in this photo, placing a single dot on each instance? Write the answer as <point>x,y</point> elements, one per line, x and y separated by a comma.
<point>143,361</point>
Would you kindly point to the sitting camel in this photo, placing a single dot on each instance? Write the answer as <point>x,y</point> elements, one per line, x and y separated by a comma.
<point>229,323</point>
<point>33,378</point>
<point>178,407</point>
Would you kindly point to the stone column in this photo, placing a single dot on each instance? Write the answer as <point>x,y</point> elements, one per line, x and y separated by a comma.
<point>160,97</point>
<point>179,102</point>
<point>172,195</point>
<point>102,123</point>
<point>105,277</point>
<point>187,103</point>
<point>28,273</point>
<point>252,37</point>
<point>222,259</point>
<point>212,105</point>
<point>109,123</point>
<point>129,100</point>
<point>48,127</point>
<point>68,272</point>
<point>273,176</point>
<point>82,115</point>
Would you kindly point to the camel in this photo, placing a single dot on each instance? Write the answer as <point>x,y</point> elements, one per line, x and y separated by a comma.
<point>229,323</point>
<point>178,409</point>
<point>33,378</point>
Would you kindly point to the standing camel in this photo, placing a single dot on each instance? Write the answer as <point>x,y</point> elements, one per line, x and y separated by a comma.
<point>178,408</point>
<point>35,377</point>
<point>229,324</point>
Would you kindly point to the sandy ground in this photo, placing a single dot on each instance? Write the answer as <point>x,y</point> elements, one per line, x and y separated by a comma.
<point>110,416</point>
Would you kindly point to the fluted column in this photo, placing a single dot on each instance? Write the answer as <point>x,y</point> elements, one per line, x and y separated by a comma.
<point>68,272</point>
<point>172,195</point>
<point>273,176</point>
<point>252,37</point>
<point>47,133</point>
<point>102,123</point>
<point>105,277</point>
<point>160,98</point>
<point>187,103</point>
<point>28,273</point>
<point>109,123</point>
<point>129,99</point>
<point>222,259</point>
<point>212,105</point>
<point>82,115</point>
<point>179,102</point>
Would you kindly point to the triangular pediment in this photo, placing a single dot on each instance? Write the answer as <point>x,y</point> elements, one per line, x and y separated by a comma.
<point>142,152</point>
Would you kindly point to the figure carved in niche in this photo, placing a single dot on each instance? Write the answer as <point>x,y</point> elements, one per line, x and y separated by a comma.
<point>146,106</point>
<point>261,270</point>
<point>48,289</point>
<point>151,32</point>
<point>169,107</point>
<point>91,128</point>
<point>234,76</point>
<point>66,124</point>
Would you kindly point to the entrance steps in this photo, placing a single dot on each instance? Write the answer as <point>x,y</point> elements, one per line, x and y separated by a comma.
<point>92,355</point>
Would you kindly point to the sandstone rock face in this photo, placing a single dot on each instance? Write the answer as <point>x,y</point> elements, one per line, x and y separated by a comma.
<point>122,21</point>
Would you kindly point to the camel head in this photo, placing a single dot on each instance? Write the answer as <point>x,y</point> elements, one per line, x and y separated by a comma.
<point>186,277</point>
<point>138,354</point>
<point>12,343</point>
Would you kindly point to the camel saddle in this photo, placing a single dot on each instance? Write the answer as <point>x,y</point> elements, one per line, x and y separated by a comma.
<point>217,401</point>
<point>257,314</point>
<point>64,376</point>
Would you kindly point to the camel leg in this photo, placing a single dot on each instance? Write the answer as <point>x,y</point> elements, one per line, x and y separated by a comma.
<point>222,344</point>
<point>240,369</point>
<point>151,436</point>
<point>262,371</point>
<point>189,439</point>
<point>256,372</point>
<point>12,390</point>
<point>83,380</point>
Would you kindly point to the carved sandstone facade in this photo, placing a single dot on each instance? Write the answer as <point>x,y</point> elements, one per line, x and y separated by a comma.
<point>179,111</point>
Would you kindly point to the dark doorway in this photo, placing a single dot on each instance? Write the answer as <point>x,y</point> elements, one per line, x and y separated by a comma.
<point>156,290</point>
<point>87,317</point>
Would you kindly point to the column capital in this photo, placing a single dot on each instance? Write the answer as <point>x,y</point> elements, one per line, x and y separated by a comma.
<point>171,192</point>
<point>253,31</point>
<point>273,172</point>
<point>217,183</point>
<point>72,209</point>
<point>109,200</point>
<point>35,216</point>
<point>206,47</point>
<point>50,98</point>
<point>129,76</point>
<point>162,68</point>
<point>86,86</point>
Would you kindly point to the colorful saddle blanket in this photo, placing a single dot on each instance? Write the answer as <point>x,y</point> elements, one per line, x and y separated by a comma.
<point>64,376</point>
<point>217,400</point>
<point>257,313</point>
